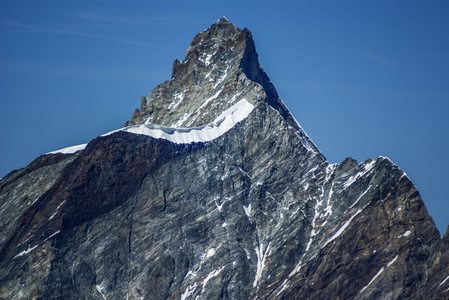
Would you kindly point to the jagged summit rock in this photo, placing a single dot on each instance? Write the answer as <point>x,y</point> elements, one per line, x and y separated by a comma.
<point>220,68</point>
<point>214,191</point>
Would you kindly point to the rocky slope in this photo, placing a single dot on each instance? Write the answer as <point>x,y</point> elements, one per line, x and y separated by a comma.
<point>213,190</point>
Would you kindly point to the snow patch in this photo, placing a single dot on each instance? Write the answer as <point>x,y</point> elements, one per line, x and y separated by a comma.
<point>405,234</point>
<point>57,209</point>
<point>247,210</point>
<point>69,150</point>
<point>227,120</point>
<point>360,197</point>
<point>366,169</point>
<point>219,206</point>
<point>178,99</point>
<point>189,291</point>
<point>261,256</point>
<point>25,252</point>
<point>210,276</point>
<point>100,290</point>
<point>444,280</point>
<point>342,228</point>
<point>372,280</point>
<point>52,235</point>
<point>392,261</point>
<point>222,78</point>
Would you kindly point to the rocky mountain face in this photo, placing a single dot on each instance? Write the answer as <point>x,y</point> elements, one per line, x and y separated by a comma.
<point>213,191</point>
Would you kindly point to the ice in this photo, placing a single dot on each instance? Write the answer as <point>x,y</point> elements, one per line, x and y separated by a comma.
<point>227,120</point>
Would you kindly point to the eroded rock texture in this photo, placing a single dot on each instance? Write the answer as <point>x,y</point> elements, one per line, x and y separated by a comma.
<point>257,213</point>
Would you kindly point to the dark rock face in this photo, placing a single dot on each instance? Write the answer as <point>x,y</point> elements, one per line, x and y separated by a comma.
<point>256,213</point>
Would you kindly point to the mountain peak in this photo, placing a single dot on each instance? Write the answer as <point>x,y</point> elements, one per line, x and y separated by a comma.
<point>220,68</point>
<point>243,207</point>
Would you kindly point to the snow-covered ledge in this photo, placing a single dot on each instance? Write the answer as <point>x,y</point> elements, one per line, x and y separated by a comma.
<point>227,120</point>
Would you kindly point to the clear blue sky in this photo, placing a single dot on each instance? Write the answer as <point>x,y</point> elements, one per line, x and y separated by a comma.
<point>364,78</point>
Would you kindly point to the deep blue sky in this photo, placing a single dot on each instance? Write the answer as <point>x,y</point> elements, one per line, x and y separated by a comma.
<point>364,78</point>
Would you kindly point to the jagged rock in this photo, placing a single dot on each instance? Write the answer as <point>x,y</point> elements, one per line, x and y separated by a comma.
<point>193,209</point>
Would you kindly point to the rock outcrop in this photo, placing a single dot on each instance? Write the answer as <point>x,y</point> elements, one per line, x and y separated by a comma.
<point>252,211</point>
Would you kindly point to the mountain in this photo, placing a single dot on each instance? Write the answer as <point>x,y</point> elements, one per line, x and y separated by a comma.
<point>213,191</point>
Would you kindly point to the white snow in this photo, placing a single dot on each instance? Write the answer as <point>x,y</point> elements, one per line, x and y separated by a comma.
<point>248,256</point>
<point>210,72</point>
<point>100,290</point>
<point>360,197</point>
<point>392,261</point>
<point>178,99</point>
<point>404,175</point>
<point>222,78</point>
<point>261,256</point>
<point>444,280</point>
<point>57,208</point>
<point>69,150</point>
<point>247,210</point>
<point>189,291</point>
<point>378,273</point>
<point>52,235</point>
<point>27,239</point>
<point>34,201</point>
<point>228,119</point>
<point>203,105</point>
<point>366,169</point>
<point>25,252</point>
<point>206,58</point>
<point>219,206</point>
<point>210,276</point>
<point>306,141</point>
<point>405,234</point>
<point>210,252</point>
<point>342,228</point>
<point>374,278</point>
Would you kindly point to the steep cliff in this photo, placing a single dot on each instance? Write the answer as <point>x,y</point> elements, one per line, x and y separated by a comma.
<point>213,190</point>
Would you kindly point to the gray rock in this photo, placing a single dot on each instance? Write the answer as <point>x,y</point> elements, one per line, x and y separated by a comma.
<point>257,213</point>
